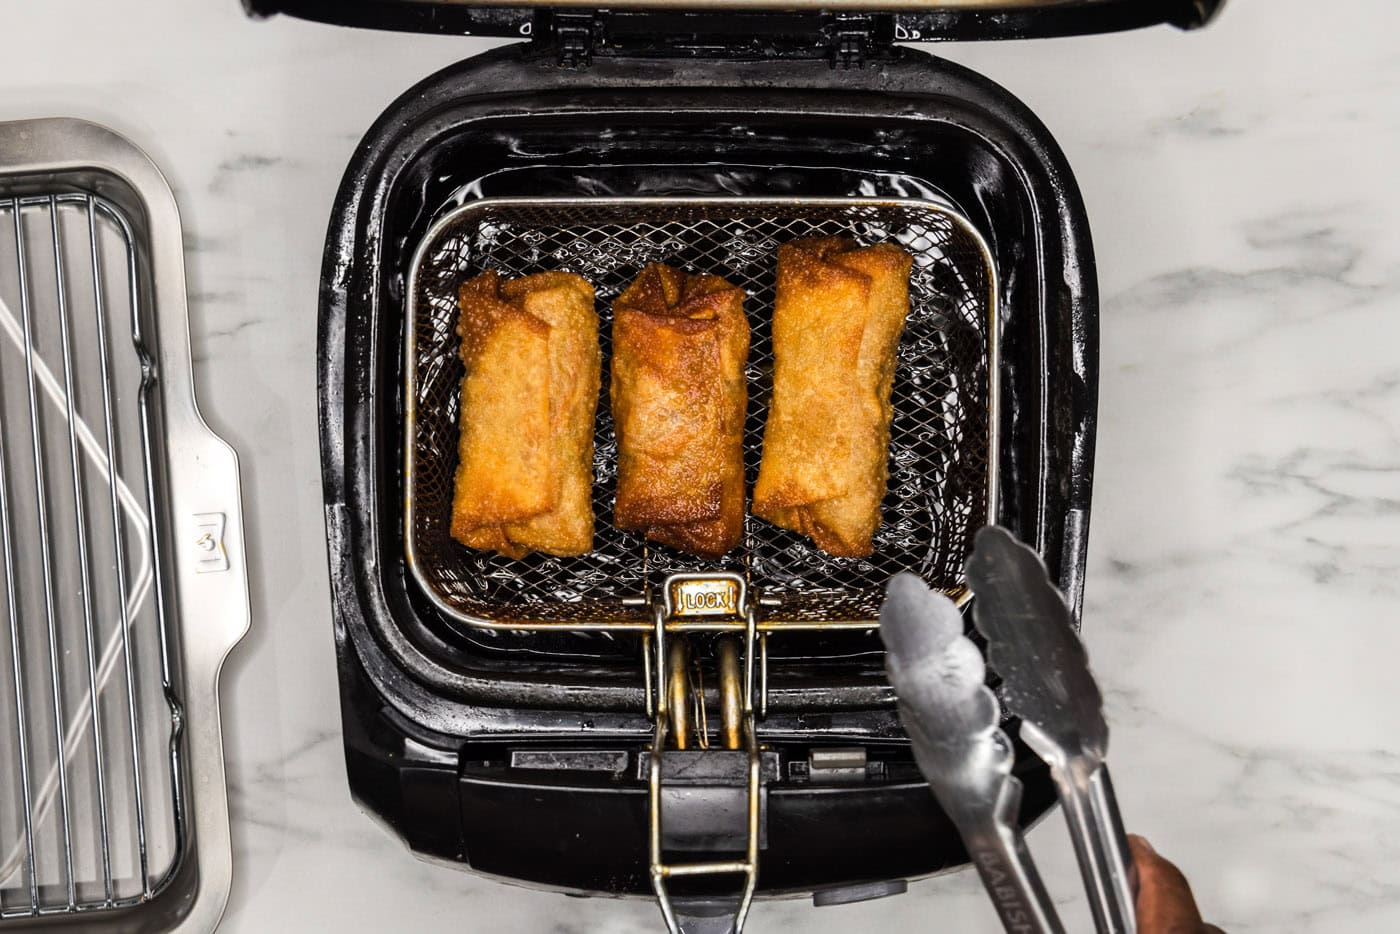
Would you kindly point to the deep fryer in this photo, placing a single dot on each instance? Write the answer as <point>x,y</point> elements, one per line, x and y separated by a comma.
<point>524,718</point>
<point>632,722</point>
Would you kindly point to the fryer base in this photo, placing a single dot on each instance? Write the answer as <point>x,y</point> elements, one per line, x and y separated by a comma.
<point>433,713</point>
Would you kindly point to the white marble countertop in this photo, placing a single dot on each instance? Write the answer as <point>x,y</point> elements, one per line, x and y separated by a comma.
<point>1245,548</point>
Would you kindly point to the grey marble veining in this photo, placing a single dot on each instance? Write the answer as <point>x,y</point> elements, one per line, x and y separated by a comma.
<point>1241,602</point>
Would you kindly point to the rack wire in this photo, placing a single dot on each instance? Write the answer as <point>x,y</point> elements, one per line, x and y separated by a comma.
<point>91,809</point>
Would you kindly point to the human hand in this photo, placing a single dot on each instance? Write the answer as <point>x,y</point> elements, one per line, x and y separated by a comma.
<point>1165,904</point>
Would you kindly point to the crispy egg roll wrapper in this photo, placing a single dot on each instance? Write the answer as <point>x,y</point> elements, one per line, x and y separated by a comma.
<point>838,315</point>
<point>680,342</point>
<point>525,451</point>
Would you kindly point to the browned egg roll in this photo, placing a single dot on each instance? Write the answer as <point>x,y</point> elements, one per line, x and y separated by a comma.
<point>525,453</point>
<point>838,315</point>
<point>680,342</point>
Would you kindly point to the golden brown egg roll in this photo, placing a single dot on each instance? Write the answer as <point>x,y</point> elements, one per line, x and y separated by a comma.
<point>837,318</point>
<point>680,342</point>
<point>525,452</point>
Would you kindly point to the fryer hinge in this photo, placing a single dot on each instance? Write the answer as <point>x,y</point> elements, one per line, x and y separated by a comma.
<point>575,35</point>
<point>852,37</point>
<point>845,39</point>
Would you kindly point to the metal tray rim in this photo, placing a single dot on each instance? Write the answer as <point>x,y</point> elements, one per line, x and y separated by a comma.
<point>202,470</point>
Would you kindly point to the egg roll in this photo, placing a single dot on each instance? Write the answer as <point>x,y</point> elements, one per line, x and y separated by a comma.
<point>680,342</point>
<point>525,451</point>
<point>837,318</point>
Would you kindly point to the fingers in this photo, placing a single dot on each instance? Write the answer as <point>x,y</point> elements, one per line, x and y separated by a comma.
<point>1164,901</point>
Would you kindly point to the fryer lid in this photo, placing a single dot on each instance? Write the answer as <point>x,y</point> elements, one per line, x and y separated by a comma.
<point>905,20</point>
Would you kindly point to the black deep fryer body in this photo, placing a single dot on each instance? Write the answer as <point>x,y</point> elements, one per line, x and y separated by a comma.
<point>432,713</point>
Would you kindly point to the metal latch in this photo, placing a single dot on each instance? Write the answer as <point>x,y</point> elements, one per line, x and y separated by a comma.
<point>730,781</point>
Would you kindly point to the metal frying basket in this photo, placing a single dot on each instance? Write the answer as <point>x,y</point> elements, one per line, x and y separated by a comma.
<point>943,439</point>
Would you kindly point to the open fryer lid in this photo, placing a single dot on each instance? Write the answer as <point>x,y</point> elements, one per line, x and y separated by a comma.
<point>902,20</point>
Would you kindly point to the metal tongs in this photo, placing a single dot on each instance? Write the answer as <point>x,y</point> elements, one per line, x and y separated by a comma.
<point>952,721</point>
<point>1033,647</point>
